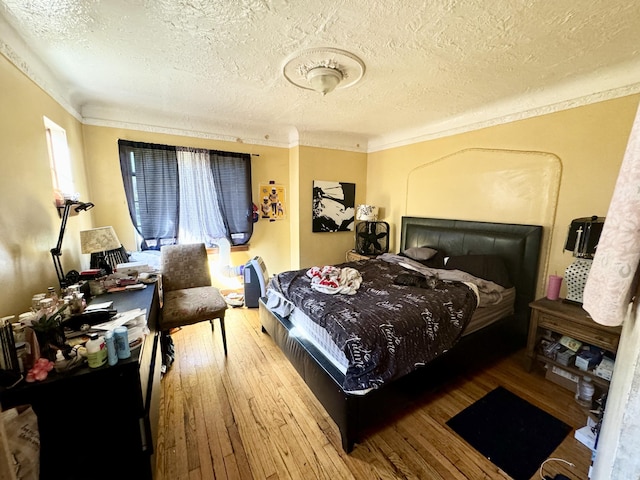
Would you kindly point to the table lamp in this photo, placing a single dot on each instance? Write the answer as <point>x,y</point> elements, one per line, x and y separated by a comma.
<point>582,241</point>
<point>103,245</point>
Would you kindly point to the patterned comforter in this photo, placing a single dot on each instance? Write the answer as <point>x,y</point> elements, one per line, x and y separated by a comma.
<point>385,330</point>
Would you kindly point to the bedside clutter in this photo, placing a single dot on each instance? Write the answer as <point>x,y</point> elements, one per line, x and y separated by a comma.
<point>570,345</point>
<point>570,352</point>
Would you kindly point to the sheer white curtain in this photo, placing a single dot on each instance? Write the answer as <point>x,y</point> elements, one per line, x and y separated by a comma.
<point>199,213</point>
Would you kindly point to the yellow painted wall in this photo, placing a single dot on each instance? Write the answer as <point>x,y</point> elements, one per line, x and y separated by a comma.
<point>330,165</point>
<point>269,240</point>
<point>294,206</point>
<point>29,222</point>
<point>589,141</point>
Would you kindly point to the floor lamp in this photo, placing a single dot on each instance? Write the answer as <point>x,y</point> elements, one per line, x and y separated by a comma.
<point>72,276</point>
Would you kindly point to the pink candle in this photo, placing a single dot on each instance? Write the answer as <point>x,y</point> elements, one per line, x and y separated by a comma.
<point>553,288</point>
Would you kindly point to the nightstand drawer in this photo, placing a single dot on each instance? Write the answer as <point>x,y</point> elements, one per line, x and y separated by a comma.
<point>594,335</point>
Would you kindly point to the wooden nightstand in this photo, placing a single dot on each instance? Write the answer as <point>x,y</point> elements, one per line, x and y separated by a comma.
<point>353,256</point>
<point>571,320</point>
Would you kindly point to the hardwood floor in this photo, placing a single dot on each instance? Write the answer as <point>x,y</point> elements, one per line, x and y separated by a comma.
<point>250,416</point>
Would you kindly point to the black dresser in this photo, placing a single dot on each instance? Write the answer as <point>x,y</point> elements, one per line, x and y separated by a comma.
<point>100,422</point>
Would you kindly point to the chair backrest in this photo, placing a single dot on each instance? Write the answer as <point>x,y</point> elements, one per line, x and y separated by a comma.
<point>184,266</point>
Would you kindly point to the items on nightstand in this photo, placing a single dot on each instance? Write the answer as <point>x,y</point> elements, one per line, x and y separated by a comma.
<point>605,368</point>
<point>570,343</point>
<point>582,241</point>
<point>557,325</point>
<point>588,357</point>
<point>353,256</point>
<point>565,356</point>
<point>587,434</point>
<point>584,392</point>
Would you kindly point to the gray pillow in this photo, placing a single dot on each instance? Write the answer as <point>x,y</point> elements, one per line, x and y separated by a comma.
<point>420,253</point>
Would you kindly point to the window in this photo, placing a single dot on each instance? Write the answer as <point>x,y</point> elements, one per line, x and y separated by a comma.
<point>185,195</point>
<point>59,161</point>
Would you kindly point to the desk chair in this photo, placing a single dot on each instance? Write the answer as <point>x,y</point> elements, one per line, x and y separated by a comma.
<point>187,296</point>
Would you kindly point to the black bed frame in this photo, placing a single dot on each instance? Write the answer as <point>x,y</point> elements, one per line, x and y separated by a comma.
<point>519,247</point>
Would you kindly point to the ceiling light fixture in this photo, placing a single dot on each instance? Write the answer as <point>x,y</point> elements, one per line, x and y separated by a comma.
<point>323,69</point>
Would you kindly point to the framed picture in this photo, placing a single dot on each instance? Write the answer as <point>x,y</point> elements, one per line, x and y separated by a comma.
<point>272,202</point>
<point>333,206</point>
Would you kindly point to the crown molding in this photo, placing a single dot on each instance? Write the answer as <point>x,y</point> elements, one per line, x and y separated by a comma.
<point>614,83</point>
<point>14,49</point>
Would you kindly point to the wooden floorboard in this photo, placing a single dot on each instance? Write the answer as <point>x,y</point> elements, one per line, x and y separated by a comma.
<point>249,416</point>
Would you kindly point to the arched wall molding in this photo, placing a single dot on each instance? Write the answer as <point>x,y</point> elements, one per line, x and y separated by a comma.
<point>490,185</point>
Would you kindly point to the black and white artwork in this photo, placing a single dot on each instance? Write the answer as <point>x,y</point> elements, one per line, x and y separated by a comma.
<point>333,206</point>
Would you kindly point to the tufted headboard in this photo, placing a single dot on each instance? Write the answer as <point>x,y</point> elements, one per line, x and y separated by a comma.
<point>518,245</point>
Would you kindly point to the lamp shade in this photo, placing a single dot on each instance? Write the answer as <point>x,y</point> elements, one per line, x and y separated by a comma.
<point>367,213</point>
<point>99,239</point>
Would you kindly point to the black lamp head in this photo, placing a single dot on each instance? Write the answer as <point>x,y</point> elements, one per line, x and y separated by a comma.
<point>83,206</point>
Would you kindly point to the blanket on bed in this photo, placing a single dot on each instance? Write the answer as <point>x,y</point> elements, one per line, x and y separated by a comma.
<point>489,293</point>
<point>385,330</point>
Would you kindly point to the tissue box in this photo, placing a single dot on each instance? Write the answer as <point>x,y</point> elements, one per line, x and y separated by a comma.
<point>586,436</point>
<point>605,368</point>
<point>587,359</point>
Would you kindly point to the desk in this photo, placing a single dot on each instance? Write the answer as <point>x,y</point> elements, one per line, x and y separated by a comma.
<point>100,422</point>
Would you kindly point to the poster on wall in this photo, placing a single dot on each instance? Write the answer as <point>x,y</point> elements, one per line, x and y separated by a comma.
<point>272,202</point>
<point>333,206</point>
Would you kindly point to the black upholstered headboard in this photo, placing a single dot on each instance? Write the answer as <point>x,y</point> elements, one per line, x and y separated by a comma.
<point>518,245</point>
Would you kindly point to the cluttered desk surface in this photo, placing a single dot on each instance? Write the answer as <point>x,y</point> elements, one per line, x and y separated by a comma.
<point>122,306</point>
<point>122,400</point>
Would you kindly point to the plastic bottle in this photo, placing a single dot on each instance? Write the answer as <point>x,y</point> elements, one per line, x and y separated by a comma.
<point>96,350</point>
<point>584,392</point>
<point>35,301</point>
<point>112,355</point>
<point>121,336</point>
<point>47,307</point>
<point>52,294</point>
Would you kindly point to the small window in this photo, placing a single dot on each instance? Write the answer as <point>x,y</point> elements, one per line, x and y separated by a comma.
<point>60,162</point>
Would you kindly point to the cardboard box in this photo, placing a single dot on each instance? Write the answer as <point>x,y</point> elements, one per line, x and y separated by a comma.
<point>605,369</point>
<point>562,377</point>
<point>586,436</point>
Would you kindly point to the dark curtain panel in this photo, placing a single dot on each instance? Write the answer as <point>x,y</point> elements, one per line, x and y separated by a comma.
<point>150,176</point>
<point>232,176</point>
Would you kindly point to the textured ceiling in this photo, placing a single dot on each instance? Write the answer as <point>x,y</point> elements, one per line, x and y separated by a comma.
<point>215,67</point>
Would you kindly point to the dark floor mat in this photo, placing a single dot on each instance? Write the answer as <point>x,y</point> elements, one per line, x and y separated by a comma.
<point>512,433</point>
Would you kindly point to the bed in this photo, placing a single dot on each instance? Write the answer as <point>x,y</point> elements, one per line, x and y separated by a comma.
<point>355,403</point>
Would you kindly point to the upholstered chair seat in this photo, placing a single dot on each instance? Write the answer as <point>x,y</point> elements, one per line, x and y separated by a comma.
<point>187,296</point>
